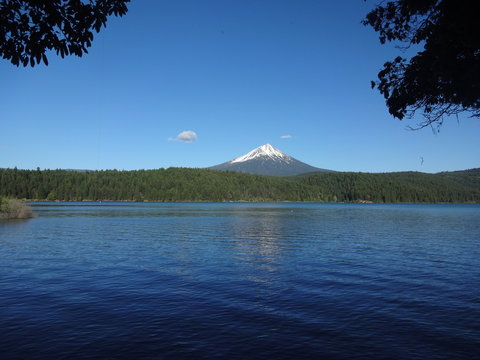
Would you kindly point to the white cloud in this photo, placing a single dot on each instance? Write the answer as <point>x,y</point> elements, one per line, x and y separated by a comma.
<point>286,136</point>
<point>185,136</point>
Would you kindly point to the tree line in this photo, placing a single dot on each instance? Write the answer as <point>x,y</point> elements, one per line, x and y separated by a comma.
<point>412,187</point>
<point>186,184</point>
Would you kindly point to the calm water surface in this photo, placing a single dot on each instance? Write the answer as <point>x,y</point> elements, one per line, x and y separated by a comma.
<point>241,281</point>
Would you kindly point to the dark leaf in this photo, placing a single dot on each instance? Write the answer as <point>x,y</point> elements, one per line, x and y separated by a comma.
<point>440,80</point>
<point>64,26</point>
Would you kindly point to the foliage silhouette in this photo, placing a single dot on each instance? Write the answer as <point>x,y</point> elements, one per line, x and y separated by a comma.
<point>29,28</point>
<point>441,80</point>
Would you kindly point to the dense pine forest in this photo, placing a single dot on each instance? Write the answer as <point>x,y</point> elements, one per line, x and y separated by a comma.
<point>185,184</point>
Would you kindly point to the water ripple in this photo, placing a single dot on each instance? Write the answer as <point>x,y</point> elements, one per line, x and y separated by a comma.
<point>241,281</point>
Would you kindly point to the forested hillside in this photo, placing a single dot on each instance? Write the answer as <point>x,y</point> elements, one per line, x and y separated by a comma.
<point>462,186</point>
<point>183,184</point>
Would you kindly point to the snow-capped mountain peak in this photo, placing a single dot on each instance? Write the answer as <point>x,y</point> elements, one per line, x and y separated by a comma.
<point>266,150</point>
<point>266,160</point>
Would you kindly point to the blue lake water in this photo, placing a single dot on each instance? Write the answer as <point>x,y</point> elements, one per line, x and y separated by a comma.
<point>241,281</point>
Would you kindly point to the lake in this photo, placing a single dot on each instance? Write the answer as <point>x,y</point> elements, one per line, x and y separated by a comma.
<point>241,281</point>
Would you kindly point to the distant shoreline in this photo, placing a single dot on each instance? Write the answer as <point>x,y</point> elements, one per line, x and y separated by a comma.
<point>33,202</point>
<point>201,185</point>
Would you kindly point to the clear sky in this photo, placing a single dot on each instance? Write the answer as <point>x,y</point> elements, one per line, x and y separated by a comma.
<point>237,74</point>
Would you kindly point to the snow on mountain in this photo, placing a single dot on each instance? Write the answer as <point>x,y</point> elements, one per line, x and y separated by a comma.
<point>264,150</point>
<point>267,160</point>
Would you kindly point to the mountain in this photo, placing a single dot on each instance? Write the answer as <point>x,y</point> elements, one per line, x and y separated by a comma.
<point>267,160</point>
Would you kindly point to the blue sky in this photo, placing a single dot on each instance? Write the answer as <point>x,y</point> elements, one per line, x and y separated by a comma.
<point>238,74</point>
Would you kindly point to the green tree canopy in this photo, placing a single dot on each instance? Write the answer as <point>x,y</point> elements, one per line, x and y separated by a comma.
<point>441,80</point>
<point>29,28</point>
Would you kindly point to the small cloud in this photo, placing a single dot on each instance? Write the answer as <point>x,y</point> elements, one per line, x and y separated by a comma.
<point>187,136</point>
<point>286,136</point>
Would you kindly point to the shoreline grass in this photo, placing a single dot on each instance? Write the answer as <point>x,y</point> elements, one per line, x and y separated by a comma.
<point>14,209</point>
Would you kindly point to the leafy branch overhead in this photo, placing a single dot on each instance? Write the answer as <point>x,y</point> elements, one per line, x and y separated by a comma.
<point>443,78</point>
<point>29,28</point>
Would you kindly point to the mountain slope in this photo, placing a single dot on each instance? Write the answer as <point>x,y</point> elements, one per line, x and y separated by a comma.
<point>267,160</point>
